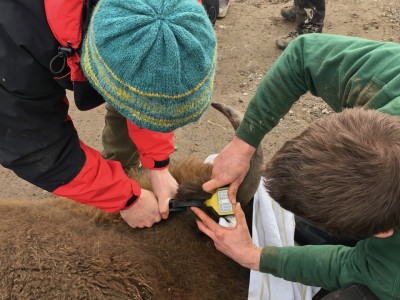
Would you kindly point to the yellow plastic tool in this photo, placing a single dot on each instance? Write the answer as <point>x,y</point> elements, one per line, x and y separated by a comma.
<point>220,203</point>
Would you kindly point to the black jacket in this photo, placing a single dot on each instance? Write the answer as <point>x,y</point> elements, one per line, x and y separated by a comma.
<point>37,139</point>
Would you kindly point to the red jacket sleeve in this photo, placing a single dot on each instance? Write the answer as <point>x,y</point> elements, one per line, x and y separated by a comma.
<point>154,147</point>
<point>101,183</point>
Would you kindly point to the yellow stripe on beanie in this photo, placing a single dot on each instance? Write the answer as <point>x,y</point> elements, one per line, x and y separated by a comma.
<point>156,65</point>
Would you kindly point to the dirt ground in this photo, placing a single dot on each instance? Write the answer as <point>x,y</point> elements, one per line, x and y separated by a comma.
<point>246,45</point>
<point>246,50</point>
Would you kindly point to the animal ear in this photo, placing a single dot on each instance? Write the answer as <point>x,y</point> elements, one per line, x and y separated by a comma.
<point>190,174</point>
<point>191,191</point>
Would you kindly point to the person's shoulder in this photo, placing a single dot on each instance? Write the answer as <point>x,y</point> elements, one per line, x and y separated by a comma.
<point>386,247</point>
<point>328,38</point>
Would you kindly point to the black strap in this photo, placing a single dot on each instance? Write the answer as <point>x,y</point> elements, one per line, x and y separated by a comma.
<point>131,201</point>
<point>181,205</point>
<point>161,163</point>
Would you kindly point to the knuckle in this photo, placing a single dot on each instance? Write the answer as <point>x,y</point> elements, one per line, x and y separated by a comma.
<point>219,235</point>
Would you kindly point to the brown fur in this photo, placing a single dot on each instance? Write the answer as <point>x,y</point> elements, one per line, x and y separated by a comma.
<point>342,173</point>
<point>190,174</point>
<point>51,250</point>
<point>58,249</point>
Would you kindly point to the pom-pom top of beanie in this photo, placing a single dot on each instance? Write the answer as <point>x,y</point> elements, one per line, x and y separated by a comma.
<point>153,60</point>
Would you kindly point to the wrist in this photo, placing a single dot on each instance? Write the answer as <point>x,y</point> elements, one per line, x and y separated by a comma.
<point>252,260</point>
<point>158,172</point>
<point>154,164</point>
<point>243,147</point>
<point>251,134</point>
<point>132,201</point>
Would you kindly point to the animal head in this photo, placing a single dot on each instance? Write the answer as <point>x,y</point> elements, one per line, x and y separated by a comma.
<point>191,173</point>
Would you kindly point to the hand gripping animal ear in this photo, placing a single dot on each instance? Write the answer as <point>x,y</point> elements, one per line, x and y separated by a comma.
<point>191,174</point>
<point>218,206</point>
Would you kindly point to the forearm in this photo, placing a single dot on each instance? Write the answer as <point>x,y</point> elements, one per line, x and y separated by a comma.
<point>56,161</point>
<point>101,183</point>
<point>281,87</point>
<point>154,147</point>
<point>330,267</point>
<point>335,68</point>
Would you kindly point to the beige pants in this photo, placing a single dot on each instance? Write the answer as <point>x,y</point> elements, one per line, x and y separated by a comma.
<point>116,142</point>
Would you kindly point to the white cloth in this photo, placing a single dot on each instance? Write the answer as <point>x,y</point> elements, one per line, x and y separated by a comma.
<point>274,226</point>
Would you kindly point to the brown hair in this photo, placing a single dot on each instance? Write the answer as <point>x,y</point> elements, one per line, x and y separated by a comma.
<point>342,173</point>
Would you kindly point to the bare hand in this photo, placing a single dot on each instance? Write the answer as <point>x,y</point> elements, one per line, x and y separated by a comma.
<point>164,187</point>
<point>144,213</point>
<point>230,167</point>
<point>234,242</point>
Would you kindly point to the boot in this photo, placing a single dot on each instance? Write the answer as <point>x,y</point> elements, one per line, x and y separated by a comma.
<point>289,13</point>
<point>283,41</point>
<point>223,8</point>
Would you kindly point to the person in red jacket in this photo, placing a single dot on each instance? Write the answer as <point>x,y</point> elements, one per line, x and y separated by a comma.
<point>152,61</point>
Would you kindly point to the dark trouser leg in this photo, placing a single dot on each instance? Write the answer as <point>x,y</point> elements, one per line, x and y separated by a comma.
<point>116,142</point>
<point>212,9</point>
<point>289,12</point>
<point>310,15</point>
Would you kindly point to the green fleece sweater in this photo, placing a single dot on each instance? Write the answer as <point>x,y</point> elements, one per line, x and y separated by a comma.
<point>344,72</point>
<point>374,262</point>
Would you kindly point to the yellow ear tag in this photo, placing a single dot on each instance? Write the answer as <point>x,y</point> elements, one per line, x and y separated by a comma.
<point>220,202</point>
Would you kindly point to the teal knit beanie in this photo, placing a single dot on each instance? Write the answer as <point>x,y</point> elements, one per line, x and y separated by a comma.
<point>152,60</point>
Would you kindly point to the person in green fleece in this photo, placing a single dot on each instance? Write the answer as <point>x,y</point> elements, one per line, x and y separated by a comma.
<point>345,72</point>
<point>341,174</point>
